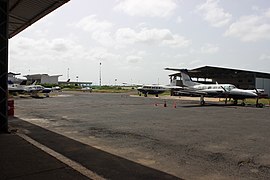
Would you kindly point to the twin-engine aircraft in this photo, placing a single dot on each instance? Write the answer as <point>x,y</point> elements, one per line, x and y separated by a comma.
<point>214,90</point>
<point>155,89</point>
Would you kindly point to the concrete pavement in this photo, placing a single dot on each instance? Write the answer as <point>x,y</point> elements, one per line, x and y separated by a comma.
<point>20,159</point>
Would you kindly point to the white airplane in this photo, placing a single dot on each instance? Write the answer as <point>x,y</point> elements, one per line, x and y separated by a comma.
<point>30,89</point>
<point>155,89</point>
<point>15,88</point>
<point>151,89</point>
<point>215,90</point>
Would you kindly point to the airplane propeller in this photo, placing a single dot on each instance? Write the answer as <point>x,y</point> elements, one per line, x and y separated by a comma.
<point>257,100</point>
<point>226,94</point>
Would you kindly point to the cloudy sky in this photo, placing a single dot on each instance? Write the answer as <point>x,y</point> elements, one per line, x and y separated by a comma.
<point>136,39</point>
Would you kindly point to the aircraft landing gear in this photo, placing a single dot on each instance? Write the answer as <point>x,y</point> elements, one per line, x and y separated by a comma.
<point>202,102</point>
<point>156,95</point>
<point>145,95</point>
<point>259,105</point>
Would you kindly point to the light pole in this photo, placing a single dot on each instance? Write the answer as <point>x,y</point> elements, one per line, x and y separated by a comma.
<point>68,73</point>
<point>100,74</point>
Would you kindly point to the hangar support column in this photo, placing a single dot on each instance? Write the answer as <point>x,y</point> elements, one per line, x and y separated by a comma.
<point>3,65</point>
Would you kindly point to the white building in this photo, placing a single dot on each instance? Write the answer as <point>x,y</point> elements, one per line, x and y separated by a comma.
<point>43,78</point>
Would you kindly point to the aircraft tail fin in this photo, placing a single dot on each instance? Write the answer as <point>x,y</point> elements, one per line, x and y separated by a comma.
<point>186,79</point>
<point>34,83</point>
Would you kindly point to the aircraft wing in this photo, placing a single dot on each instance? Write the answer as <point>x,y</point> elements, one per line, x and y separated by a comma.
<point>207,92</point>
<point>192,92</point>
<point>173,87</point>
<point>174,69</point>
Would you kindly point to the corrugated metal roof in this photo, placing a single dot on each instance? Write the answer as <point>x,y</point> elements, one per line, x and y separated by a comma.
<point>23,13</point>
<point>212,72</point>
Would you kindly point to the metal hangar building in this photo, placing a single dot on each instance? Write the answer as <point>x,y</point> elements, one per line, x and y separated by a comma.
<point>240,78</point>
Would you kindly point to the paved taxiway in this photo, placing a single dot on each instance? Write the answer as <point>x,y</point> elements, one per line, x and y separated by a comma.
<point>189,141</point>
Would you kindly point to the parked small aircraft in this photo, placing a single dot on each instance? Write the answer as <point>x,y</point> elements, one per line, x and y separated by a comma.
<point>155,89</point>
<point>214,90</point>
<point>30,89</point>
<point>151,89</point>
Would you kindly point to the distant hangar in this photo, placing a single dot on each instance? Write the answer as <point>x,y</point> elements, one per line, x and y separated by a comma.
<point>240,78</point>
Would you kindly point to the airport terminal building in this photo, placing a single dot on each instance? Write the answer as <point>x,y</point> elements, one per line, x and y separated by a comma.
<point>240,78</point>
<point>43,78</point>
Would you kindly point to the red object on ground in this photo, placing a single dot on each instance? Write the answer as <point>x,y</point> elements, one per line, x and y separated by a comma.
<point>11,107</point>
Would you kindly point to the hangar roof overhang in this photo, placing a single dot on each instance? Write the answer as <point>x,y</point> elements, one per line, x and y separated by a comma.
<point>23,13</point>
<point>213,72</point>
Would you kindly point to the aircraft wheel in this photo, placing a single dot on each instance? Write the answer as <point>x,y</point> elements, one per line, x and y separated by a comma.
<point>156,95</point>
<point>145,95</point>
<point>202,103</point>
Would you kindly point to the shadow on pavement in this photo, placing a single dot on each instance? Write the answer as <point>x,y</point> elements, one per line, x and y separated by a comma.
<point>103,163</point>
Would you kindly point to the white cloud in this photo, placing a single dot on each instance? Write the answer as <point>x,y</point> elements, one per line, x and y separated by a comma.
<point>209,49</point>
<point>267,13</point>
<point>179,19</point>
<point>180,56</point>
<point>196,62</point>
<point>177,41</point>
<point>103,33</point>
<point>91,24</point>
<point>53,55</point>
<point>214,14</point>
<point>104,38</point>
<point>264,57</point>
<point>251,28</point>
<point>151,36</point>
<point>255,8</point>
<point>134,59</point>
<point>154,35</point>
<point>125,36</point>
<point>147,8</point>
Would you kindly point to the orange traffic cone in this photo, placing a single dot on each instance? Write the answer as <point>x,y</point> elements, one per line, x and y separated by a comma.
<point>174,104</point>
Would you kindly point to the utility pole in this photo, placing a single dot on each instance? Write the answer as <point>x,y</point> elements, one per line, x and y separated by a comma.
<point>68,73</point>
<point>100,74</point>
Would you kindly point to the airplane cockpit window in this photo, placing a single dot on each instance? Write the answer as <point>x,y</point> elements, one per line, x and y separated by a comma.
<point>232,87</point>
<point>229,88</point>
